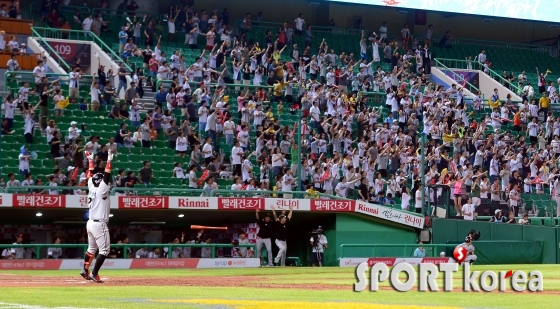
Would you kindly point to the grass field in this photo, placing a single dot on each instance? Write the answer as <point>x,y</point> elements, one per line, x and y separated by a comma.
<point>299,288</point>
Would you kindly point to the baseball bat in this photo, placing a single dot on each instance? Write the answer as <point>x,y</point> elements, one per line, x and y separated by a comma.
<point>203,227</point>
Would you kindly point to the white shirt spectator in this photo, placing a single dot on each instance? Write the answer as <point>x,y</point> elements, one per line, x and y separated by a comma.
<point>235,155</point>
<point>86,24</point>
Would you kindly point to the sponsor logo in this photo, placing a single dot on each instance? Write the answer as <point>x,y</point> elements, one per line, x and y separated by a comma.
<point>83,201</point>
<point>332,205</point>
<point>193,203</point>
<point>230,263</point>
<point>286,203</point>
<point>371,210</point>
<point>47,201</point>
<point>143,202</point>
<point>240,203</point>
<point>414,220</point>
<point>351,263</point>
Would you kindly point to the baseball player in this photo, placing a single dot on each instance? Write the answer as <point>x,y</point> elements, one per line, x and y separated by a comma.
<point>99,205</point>
<point>266,229</point>
<point>471,257</point>
<point>282,223</point>
<point>17,252</point>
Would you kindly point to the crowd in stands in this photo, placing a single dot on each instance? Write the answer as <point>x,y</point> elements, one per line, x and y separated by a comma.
<point>351,148</point>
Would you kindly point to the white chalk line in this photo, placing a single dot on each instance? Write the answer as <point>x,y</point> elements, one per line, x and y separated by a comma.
<point>22,306</point>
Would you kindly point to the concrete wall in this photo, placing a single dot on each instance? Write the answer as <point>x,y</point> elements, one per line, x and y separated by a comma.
<point>487,85</point>
<point>103,59</point>
<point>442,79</point>
<point>34,46</point>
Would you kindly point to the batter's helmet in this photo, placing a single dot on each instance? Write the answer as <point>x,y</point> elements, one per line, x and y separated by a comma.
<point>96,179</point>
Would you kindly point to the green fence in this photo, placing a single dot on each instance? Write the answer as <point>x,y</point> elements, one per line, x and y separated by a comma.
<point>454,231</point>
<point>125,247</point>
<point>487,252</point>
<point>407,250</point>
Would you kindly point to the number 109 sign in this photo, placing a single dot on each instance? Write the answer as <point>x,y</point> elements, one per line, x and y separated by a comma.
<point>69,51</point>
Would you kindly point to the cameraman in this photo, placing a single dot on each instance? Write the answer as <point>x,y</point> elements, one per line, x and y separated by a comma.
<point>318,245</point>
<point>471,257</point>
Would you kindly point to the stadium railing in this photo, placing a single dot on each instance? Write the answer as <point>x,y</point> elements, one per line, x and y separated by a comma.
<point>441,65</point>
<point>27,76</point>
<point>431,249</point>
<point>38,247</point>
<point>158,191</point>
<point>476,65</point>
<point>36,8</point>
<point>276,25</point>
<point>55,33</point>
<point>113,12</point>
<point>484,43</point>
<point>51,51</point>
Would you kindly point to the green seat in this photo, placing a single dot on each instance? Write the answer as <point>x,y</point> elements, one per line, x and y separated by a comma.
<point>535,221</point>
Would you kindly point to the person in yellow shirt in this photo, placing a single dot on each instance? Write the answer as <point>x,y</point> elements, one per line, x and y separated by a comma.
<point>311,193</point>
<point>279,70</point>
<point>544,105</point>
<point>269,115</point>
<point>278,90</point>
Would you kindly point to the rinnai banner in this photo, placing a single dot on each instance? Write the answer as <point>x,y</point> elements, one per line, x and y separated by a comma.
<point>131,264</point>
<point>215,203</point>
<point>390,214</point>
<point>391,261</point>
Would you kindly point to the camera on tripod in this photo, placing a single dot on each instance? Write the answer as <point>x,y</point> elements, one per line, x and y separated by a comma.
<point>315,234</point>
<point>474,235</point>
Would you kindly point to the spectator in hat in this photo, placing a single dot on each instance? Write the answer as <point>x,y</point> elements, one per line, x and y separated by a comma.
<point>498,218</point>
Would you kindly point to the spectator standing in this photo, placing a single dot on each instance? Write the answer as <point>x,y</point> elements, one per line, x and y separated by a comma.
<point>146,173</point>
<point>299,22</point>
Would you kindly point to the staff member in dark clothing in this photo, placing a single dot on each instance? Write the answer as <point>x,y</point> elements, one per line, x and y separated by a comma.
<point>281,227</point>
<point>266,228</point>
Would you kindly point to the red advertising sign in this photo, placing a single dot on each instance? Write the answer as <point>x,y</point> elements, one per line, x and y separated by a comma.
<point>163,263</point>
<point>333,205</point>
<point>39,200</point>
<point>69,51</point>
<point>235,203</point>
<point>30,264</point>
<point>386,261</point>
<point>143,202</point>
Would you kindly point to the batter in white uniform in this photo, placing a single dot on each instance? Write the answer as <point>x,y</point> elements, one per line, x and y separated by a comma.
<point>99,205</point>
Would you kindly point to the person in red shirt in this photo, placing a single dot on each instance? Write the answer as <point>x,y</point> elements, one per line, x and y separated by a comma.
<point>517,121</point>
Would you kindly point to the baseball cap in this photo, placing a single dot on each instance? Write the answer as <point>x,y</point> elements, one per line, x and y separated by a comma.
<point>467,239</point>
<point>497,211</point>
<point>73,123</point>
<point>442,253</point>
<point>19,235</point>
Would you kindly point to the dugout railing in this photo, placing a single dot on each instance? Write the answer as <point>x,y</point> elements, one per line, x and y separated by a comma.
<point>125,247</point>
